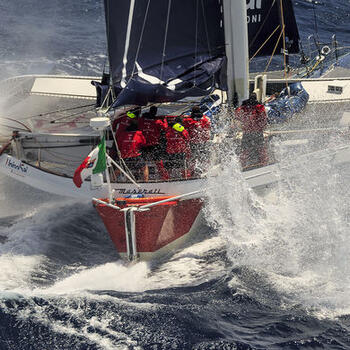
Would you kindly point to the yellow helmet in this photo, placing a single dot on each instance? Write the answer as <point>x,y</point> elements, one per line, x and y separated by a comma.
<point>178,127</point>
<point>131,115</point>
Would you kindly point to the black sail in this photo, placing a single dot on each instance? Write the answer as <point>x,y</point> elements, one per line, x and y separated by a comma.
<point>264,18</point>
<point>164,50</point>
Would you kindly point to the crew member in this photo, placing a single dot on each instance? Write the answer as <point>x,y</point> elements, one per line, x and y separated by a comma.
<point>151,130</point>
<point>177,146</point>
<point>151,114</point>
<point>253,120</point>
<point>123,121</point>
<point>154,135</point>
<point>130,143</point>
<point>198,126</point>
<point>118,127</point>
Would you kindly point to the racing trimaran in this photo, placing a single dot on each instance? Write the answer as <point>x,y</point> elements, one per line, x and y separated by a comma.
<point>158,54</point>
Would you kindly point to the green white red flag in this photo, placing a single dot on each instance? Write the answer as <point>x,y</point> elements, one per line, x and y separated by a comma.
<point>94,163</point>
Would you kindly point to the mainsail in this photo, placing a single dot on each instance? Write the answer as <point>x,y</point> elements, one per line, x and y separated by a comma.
<point>265,24</point>
<point>164,50</point>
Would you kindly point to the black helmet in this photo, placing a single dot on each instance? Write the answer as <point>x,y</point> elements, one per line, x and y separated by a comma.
<point>253,99</point>
<point>153,110</point>
<point>196,112</point>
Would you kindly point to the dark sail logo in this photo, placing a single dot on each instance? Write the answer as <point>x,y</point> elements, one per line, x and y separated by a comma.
<point>254,11</point>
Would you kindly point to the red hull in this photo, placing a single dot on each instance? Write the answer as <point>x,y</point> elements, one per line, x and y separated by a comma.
<point>154,228</point>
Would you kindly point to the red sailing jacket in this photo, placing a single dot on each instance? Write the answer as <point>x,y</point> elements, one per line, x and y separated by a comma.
<point>199,130</point>
<point>177,142</point>
<point>130,143</point>
<point>119,125</point>
<point>253,118</point>
<point>151,130</point>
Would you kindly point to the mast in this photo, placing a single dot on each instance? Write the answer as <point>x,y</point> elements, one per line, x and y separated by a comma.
<point>236,43</point>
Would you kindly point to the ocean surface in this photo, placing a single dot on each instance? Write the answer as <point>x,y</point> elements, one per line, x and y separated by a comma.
<point>272,271</point>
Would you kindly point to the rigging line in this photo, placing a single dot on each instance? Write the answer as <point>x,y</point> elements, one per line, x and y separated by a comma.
<point>140,41</point>
<point>105,100</point>
<point>69,116</point>
<point>315,21</point>
<point>275,48</point>
<point>56,155</point>
<point>58,111</point>
<point>107,21</point>
<point>173,59</point>
<point>284,45</point>
<point>258,50</point>
<point>206,28</point>
<point>263,23</point>
<point>108,36</point>
<point>71,160</point>
<point>107,29</point>
<point>191,69</point>
<point>73,114</point>
<point>312,68</point>
<point>11,127</point>
<point>17,121</point>
<point>165,39</point>
<point>196,44</point>
<point>120,156</point>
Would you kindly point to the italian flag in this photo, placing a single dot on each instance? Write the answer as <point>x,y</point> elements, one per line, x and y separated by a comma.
<point>94,163</point>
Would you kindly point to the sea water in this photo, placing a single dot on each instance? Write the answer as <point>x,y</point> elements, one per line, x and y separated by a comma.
<point>272,271</point>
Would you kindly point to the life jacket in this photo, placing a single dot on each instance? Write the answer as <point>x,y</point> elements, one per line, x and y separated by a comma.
<point>177,138</point>
<point>119,125</point>
<point>253,118</point>
<point>199,130</point>
<point>130,143</point>
<point>151,130</point>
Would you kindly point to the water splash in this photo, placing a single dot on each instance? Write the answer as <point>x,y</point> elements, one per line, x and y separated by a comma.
<point>295,236</point>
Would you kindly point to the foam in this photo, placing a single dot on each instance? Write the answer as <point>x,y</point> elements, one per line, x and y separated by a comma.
<point>111,276</point>
<point>296,237</point>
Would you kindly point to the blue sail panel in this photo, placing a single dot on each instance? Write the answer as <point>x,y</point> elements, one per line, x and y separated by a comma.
<point>197,82</point>
<point>164,50</point>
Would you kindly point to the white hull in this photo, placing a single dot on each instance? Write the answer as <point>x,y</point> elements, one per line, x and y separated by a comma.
<point>52,183</point>
<point>35,88</point>
<point>64,186</point>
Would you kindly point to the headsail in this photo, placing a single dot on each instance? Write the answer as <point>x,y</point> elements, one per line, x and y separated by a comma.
<point>164,50</point>
<point>265,23</point>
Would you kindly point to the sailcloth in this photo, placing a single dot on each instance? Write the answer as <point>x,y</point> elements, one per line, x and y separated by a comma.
<point>163,51</point>
<point>265,25</point>
<point>94,163</point>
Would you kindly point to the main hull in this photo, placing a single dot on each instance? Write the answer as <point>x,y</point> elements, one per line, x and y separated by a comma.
<point>146,234</point>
